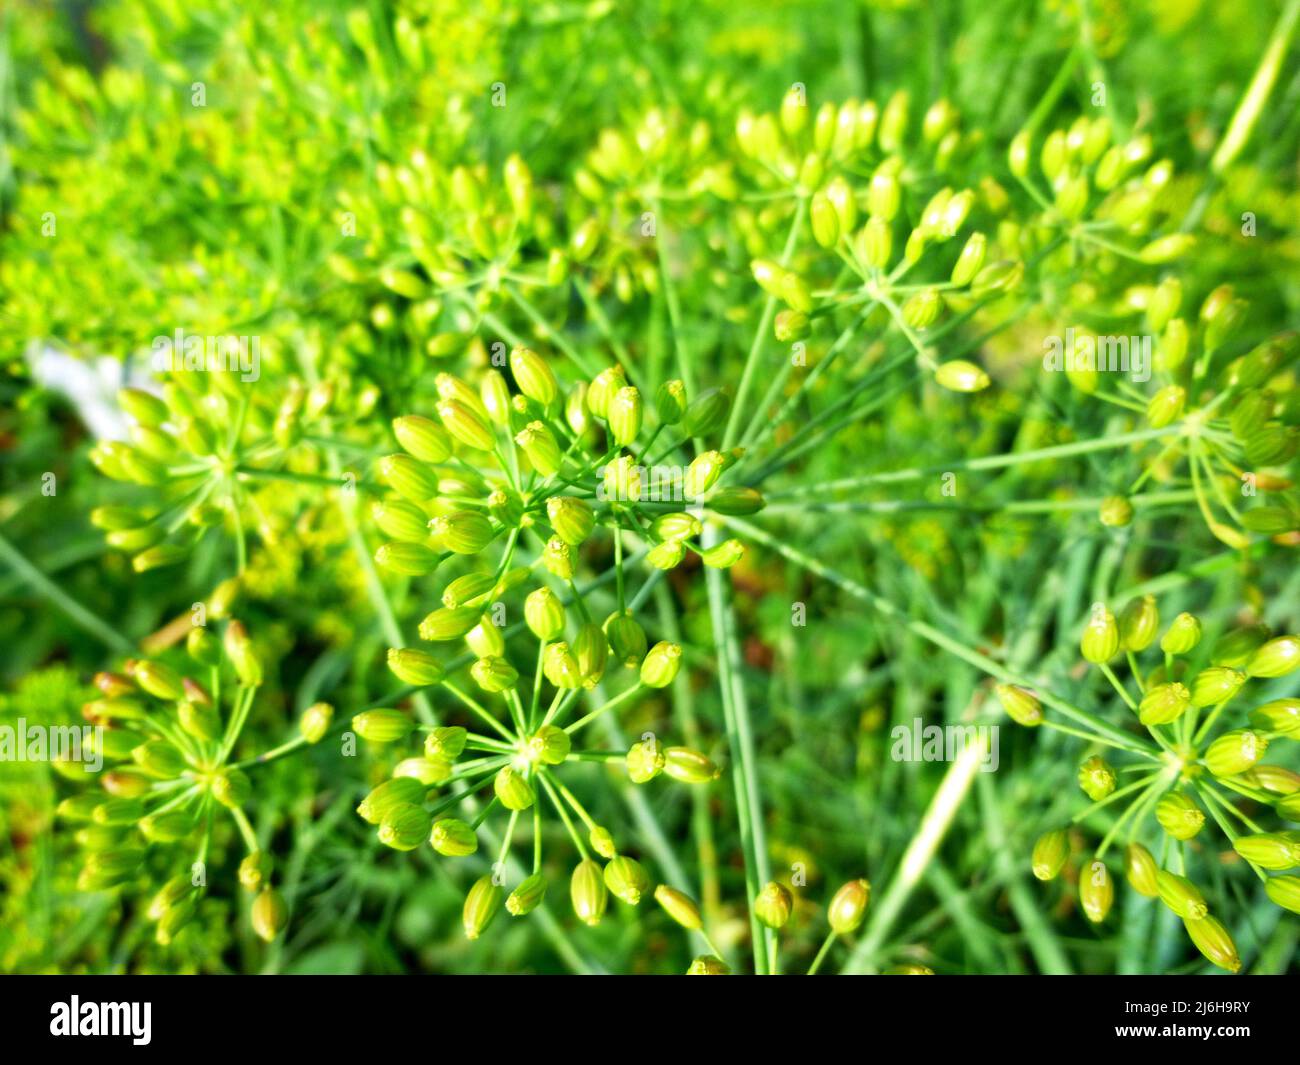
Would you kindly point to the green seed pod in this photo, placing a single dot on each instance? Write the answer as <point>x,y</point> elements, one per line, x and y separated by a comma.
<point>533,376</point>
<point>645,761</point>
<point>1235,752</point>
<point>1050,851</point>
<point>118,811</point>
<point>1115,511</point>
<point>736,501</point>
<point>231,788</point>
<point>875,243</point>
<point>971,259</point>
<point>414,667</point>
<point>80,807</point>
<point>560,665</point>
<point>1270,850</point>
<point>506,507</point>
<point>677,526</point>
<point>1096,778</point>
<point>203,647</point>
<point>408,477</point>
<point>494,394</point>
<point>513,789</point>
<point>466,532</point>
<point>159,759</point>
<point>445,624</point>
<point>254,870</point>
<point>825,221</point>
<point>485,639</point>
<point>959,375</point>
<point>1021,705</point>
<point>558,558</point>
<point>921,309</point>
<point>494,674</point>
<point>626,880</point>
<point>1281,715</point>
<point>702,474</point>
<point>1138,623</point>
<point>428,771</point>
<point>624,415</point>
<point>622,480</point>
<point>1183,635</point>
<point>1273,778</point>
<point>1165,302</point>
<point>604,386</point>
<point>401,520</point>
<point>446,742</point>
<point>167,827</point>
<point>538,443</point>
<point>773,906</point>
<point>1168,248</point>
<point>404,827</point>
<point>466,589</point>
<point>1164,703</point>
<point>1100,636</point>
<point>848,907</point>
<point>707,412</point>
<point>1173,346</point>
<point>122,784</point>
<point>144,408</point>
<point>544,614</point>
<point>883,196</point>
<point>661,665</point>
<point>708,965</point>
<point>466,424</point>
<point>410,559</point>
<point>588,893</point>
<point>527,896</point>
<point>550,745</point>
<point>670,398</point>
<point>1096,891</point>
<point>680,907</point>
<point>626,637</point>
<point>391,793</point>
<point>602,842</point>
<point>1019,154</point>
<point>1179,816</point>
<point>1216,685</point>
<point>159,680</point>
<point>571,518</point>
<point>422,438</point>
<point>689,767</point>
<point>382,726</point>
<point>1276,658</point>
<point>592,651</point>
<point>481,905</point>
<point>1141,870</point>
<point>239,649</point>
<point>723,555</point>
<point>159,556</point>
<point>1284,891</point>
<point>1181,896</point>
<point>1213,940</point>
<point>1166,406</point>
<point>200,720</point>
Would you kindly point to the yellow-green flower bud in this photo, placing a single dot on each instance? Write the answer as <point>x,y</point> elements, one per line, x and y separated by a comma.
<point>167,827</point>
<point>560,665</point>
<point>544,614</point>
<point>602,841</point>
<point>1281,715</point>
<point>466,424</point>
<point>624,415</point>
<point>118,811</point>
<point>408,477</point>
<point>1213,940</point>
<point>466,589</point>
<point>269,915</point>
<point>446,742</point>
<point>453,838</point>
<point>466,532</point>
<point>144,408</point>
<point>254,870</point>
<point>203,647</point>
<point>1235,752</point>
<point>825,221</point>
<point>428,771</point>
<point>391,793</point>
<point>848,907</point>
<point>603,388</point>
<point>670,402</point>
<point>1050,852</point>
<point>661,665</point>
<point>513,789</point>
<point>708,965</point>
<point>707,412</point>
<point>494,674</point>
<point>971,259</point>
<point>1216,685</point>
<point>533,376</point>
<point>558,558</point>
<point>626,638</point>
<point>921,309</point>
<point>414,667</point>
<point>588,893</point>
<point>1181,896</point>
<point>883,196</point>
<point>689,767</point>
<point>1100,636</point>
<point>645,761</point>
<point>422,438</point>
<point>1276,658</point>
<point>382,726</point>
<point>1115,511</point>
<point>550,745</point>
<point>680,907</point>
<point>1166,406</point>
<point>1141,870</point>
<point>527,896</point>
<point>1234,648</point>
<point>1096,891</point>
<point>1096,778</point>
<point>494,394</point>
<point>571,518</point>
<point>231,788</point>
<point>723,555</point>
<point>1019,153</point>
<point>736,500</point>
<point>159,680</point>
<point>158,758</point>
<point>447,624</point>
<point>959,375</point>
<point>1179,816</point>
<point>627,880</point>
<point>1270,850</point>
<point>592,651</point>
<point>1021,705</point>
<point>200,720</point>
<point>481,905</point>
<point>1183,635</point>
<point>1168,248</point>
<point>239,649</point>
<point>1138,623</point>
<point>412,560</point>
<point>1284,891</point>
<point>773,905</point>
<point>702,474</point>
<point>539,444</point>
<point>400,519</point>
<point>1164,703</point>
